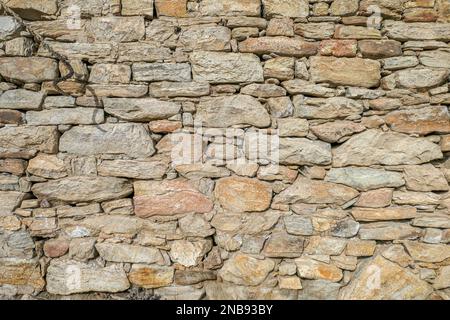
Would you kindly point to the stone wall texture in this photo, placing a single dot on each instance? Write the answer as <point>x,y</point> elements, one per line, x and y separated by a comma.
<point>94,205</point>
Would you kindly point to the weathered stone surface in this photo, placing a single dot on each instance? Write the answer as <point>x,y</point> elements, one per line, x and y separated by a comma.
<point>226,290</point>
<point>249,223</point>
<point>200,170</point>
<point>128,253</point>
<point>312,269</point>
<point>11,117</point>
<point>25,142</point>
<point>356,32</point>
<point>246,270</point>
<point>391,213</point>
<point>345,71</point>
<point>322,30</point>
<point>10,200</point>
<point>435,59</point>
<point>68,277</point>
<point>47,166</point>
<point>311,191</point>
<point>126,138</point>
<point>138,7</point>
<point>427,252</point>
<point>394,283</point>
<point>380,49</point>
<point>421,78</point>
<point>110,73</point>
<point>397,63</point>
<point>281,68</point>
<point>209,38</point>
<point>421,121</point>
<point>33,10</point>
<point>161,72</point>
<point>293,127</point>
<point>230,7</point>
<point>243,194</point>
<point>285,8</point>
<point>365,178</point>
<point>298,225</point>
<point>334,131</point>
<point>151,276</point>
<point>189,253</point>
<point>278,45</point>
<point>377,147</point>
<point>29,69</point>
<point>175,8</point>
<point>154,168</point>
<point>169,197</point>
<point>318,108</point>
<point>83,188</point>
<point>142,51</point>
<point>21,99</point>
<point>442,281</point>
<point>8,27</point>
<point>338,48</point>
<point>388,231</point>
<point>263,90</point>
<point>375,198</point>
<point>22,274</point>
<point>116,29</point>
<point>344,7</point>
<point>325,246</point>
<point>425,178</point>
<point>65,116</point>
<point>142,110</point>
<point>179,89</point>
<point>283,245</point>
<point>219,67</point>
<point>417,31</point>
<point>222,112</point>
<point>301,151</point>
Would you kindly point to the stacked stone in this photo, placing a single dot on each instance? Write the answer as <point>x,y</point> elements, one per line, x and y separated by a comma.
<point>358,207</point>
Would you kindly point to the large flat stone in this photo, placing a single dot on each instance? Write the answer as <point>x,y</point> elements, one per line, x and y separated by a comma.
<point>381,214</point>
<point>279,45</point>
<point>201,37</point>
<point>222,112</point>
<point>25,142</point>
<point>21,99</point>
<point>127,138</point>
<point>365,178</point>
<point>330,108</point>
<point>420,121</point>
<point>28,69</point>
<point>128,253</point>
<point>417,31</point>
<point>380,279</point>
<point>316,192</point>
<point>169,197</point>
<point>219,67</point>
<point>239,194</point>
<point>161,72</point>
<point>243,269</point>
<point>301,151</point>
<point>141,110</point>
<point>346,71</point>
<point>154,168</point>
<point>68,277</point>
<point>387,148</point>
<point>230,8</point>
<point>59,116</point>
<point>83,189</point>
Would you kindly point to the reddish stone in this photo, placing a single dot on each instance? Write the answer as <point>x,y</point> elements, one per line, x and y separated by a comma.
<point>164,126</point>
<point>169,197</point>
<point>338,48</point>
<point>56,248</point>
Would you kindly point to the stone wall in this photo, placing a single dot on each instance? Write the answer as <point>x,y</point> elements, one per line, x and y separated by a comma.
<point>354,95</point>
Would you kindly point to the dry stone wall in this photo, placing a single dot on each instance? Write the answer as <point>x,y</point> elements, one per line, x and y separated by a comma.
<point>352,96</point>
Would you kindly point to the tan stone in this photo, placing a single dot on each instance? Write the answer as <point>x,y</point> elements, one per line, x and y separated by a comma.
<point>24,273</point>
<point>311,191</point>
<point>278,45</point>
<point>345,71</point>
<point>425,178</point>
<point>246,270</point>
<point>421,121</point>
<point>312,269</point>
<point>432,253</point>
<point>172,8</point>
<point>388,231</point>
<point>381,279</point>
<point>243,194</point>
<point>137,7</point>
<point>170,197</point>
<point>47,166</point>
<point>151,276</point>
<point>231,8</point>
<point>375,198</point>
<point>338,48</point>
<point>381,214</point>
<point>286,8</point>
<point>360,248</point>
